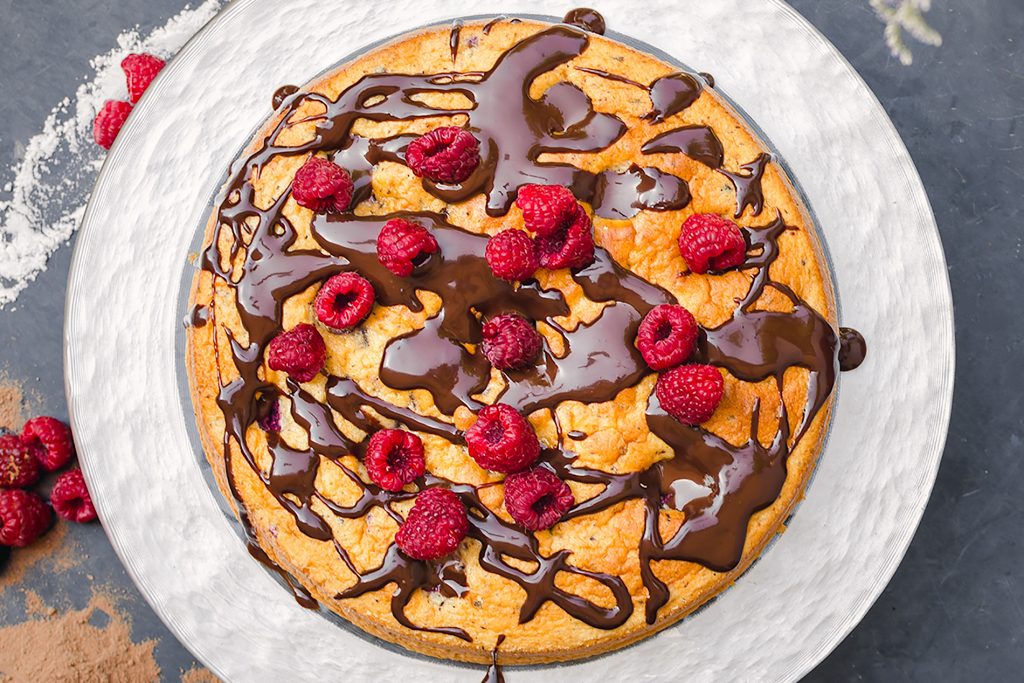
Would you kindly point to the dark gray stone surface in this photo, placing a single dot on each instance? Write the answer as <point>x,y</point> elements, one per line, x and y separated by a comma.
<point>955,609</point>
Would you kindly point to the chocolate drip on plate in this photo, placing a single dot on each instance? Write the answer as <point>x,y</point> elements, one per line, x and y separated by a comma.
<point>587,19</point>
<point>283,93</point>
<point>494,673</point>
<point>852,349</point>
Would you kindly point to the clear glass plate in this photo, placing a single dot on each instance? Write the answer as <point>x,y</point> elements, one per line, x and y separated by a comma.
<point>132,414</point>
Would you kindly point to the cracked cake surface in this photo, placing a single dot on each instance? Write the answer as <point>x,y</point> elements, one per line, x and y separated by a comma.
<point>663,515</point>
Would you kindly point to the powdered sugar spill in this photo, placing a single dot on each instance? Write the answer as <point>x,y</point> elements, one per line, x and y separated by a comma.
<point>48,189</point>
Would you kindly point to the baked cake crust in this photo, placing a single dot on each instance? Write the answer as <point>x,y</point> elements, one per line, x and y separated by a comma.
<point>316,522</point>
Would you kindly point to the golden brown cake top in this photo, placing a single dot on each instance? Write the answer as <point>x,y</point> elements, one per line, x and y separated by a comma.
<point>698,488</point>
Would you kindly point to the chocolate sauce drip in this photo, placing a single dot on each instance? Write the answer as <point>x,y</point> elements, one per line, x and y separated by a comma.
<point>283,93</point>
<point>709,80</point>
<point>718,485</point>
<point>408,576</point>
<point>360,155</point>
<point>494,673</point>
<point>612,77</point>
<point>747,182</point>
<point>199,316</point>
<point>299,592</point>
<point>852,349</point>
<point>587,19</point>
<point>697,142</point>
<point>453,38</point>
<point>576,435</point>
<point>492,23</point>
<point>672,94</point>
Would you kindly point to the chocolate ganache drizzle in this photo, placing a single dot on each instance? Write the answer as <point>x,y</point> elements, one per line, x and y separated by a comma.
<point>716,484</point>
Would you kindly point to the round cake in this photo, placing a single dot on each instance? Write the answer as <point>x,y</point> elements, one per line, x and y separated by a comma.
<point>507,332</point>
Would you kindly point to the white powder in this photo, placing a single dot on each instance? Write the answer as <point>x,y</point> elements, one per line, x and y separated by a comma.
<point>49,188</point>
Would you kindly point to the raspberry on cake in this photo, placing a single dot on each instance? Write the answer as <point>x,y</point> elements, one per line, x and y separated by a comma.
<point>445,155</point>
<point>512,255</point>
<point>344,301</point>
<point>550,428</point>
<point>547,209</point>
<point>435,526</point>
<point>300,352</point>
<point>510,341</point>
<point>402,244</point>
<point>710,242</point>
<point>667,336</point>
<point>322,186</point>
<point>502,440</point>
<point>394,458</point>
<point>537,498</point>
<point>569,247</point>
<point>690,393</point>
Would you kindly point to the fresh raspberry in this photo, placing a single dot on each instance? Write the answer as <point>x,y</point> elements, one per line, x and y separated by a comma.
<point>510,341</point>
<point>70,498</point>
<point>502,440</point>
<point>667,336</point>
<point>547,209</point>
<point>50,440</point>
<point>710,242</point>
<point>445,155</point>
<point>512,255</point>
<point>402,245</point>
<point>572,247</point>
<point>537,498</point>
<point>690,393</point>
<point>300,352</point>
<point>394,458</point>
<point>108,122</point>
<point>344,301</point>
<point>140,70</point>
<point>24,517</point>
<point>19,468</point>
<point>322,186</point>
<point>435,526</point>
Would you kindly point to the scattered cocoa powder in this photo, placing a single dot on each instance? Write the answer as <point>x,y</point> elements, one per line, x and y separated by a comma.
<point>198,674</point>
<point>90,644</point>
<point>17,403</point>
<point>36,607</point>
